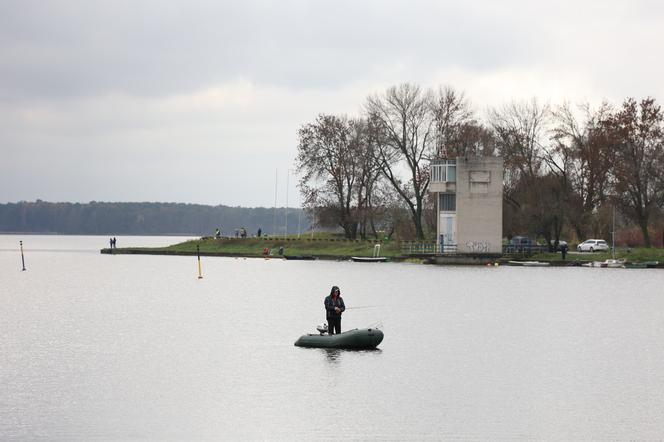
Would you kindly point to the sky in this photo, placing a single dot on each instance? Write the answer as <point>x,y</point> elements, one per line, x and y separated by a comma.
<point>200,101</point>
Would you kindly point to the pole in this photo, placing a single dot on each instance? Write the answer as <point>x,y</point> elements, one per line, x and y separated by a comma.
<point>198,253</point>
<point>613,235</point>
<point>22,257</point>
<point>313,221</point>
<point>274,218</point>
<point>299,214</point>
<point>286,223</point>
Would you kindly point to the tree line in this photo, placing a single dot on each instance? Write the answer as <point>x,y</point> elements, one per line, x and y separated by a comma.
<point>109,218</point>
<point>567,168</point>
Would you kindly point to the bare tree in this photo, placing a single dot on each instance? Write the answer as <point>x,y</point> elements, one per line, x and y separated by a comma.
<point>385,211</point>
<point>402,133</point>
<point>333,163</point>
<point>458,133</point>
<point>368,174</point>
<point>451,111</point>
<point>475,139</point>
<point>636,134</point>
<point>520,129</point>
<point>580,144</point>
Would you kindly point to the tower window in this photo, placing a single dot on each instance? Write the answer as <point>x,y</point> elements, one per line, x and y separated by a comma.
<point>447,202</point>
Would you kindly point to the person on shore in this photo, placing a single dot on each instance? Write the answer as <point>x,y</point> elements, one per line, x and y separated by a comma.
<point>259,232</point>
<point>115,243</point>
<point>110,243</point>
<point>563,250</point>
<point>334,307</point>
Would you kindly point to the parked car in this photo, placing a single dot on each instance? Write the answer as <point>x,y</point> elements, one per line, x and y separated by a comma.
<point>593,245</point>
<point>521,244</point>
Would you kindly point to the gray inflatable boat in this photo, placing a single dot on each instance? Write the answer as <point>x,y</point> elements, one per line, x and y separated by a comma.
<point>363,338</point>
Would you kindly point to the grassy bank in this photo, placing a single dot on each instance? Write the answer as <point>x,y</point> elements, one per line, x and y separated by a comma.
<point>322,247</point>
<point>327,246</point>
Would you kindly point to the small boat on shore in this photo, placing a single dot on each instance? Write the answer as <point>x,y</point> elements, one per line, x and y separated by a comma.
<point>375,258</point>
<point>608,264</point>
<point>614,263</point>
<point>641,265</point>
<point>528,263</point>
<point>596,264</point>
<point>368,259</point>
<point>635,265</point>
<point>356,339</point>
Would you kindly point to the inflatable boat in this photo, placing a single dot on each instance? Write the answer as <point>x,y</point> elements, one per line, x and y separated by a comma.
<point>363,338</point>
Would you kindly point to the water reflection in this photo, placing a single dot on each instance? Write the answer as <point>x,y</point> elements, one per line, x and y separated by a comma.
<point>334,355</point>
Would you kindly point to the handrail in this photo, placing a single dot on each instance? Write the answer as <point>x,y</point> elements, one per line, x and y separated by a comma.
<point>525,249</point>
<point>426,248</point>
<point>432,248</point>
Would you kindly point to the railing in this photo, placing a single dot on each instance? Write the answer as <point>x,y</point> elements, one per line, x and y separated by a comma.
<point>376,251</point>
<point>425,248</point>
<point>525,249</point>
<point>431,248</point>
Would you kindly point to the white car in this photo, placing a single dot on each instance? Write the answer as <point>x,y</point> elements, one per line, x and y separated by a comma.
<point>593,245</point>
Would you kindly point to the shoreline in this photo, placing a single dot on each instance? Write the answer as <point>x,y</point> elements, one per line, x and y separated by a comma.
<point>337,249</point>
<point>141,251</point>
<point>464,260</point>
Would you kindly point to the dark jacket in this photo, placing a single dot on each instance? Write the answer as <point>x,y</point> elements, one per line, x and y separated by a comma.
<point>330,304</point>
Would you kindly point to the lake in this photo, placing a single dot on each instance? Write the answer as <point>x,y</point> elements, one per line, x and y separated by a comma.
<point>103,347</point>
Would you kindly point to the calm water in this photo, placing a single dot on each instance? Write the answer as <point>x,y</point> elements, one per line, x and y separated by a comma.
<point>100,347</point>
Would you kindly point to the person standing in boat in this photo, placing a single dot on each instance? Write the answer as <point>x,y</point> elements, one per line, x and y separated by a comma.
<point>334,307</point>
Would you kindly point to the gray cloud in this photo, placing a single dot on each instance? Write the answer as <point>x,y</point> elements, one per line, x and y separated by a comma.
<point>212,92</point>
<point>80,48</point>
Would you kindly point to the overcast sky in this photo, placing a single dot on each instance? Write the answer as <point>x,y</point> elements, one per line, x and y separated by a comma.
<point>200,101</point>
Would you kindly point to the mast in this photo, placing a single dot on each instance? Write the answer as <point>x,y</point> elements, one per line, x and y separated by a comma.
<point>274,217</point>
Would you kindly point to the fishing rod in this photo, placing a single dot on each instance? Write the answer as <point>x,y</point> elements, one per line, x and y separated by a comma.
<point>362,306</point>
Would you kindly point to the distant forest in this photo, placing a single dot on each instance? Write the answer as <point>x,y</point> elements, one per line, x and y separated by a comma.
<point>105,218</point>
